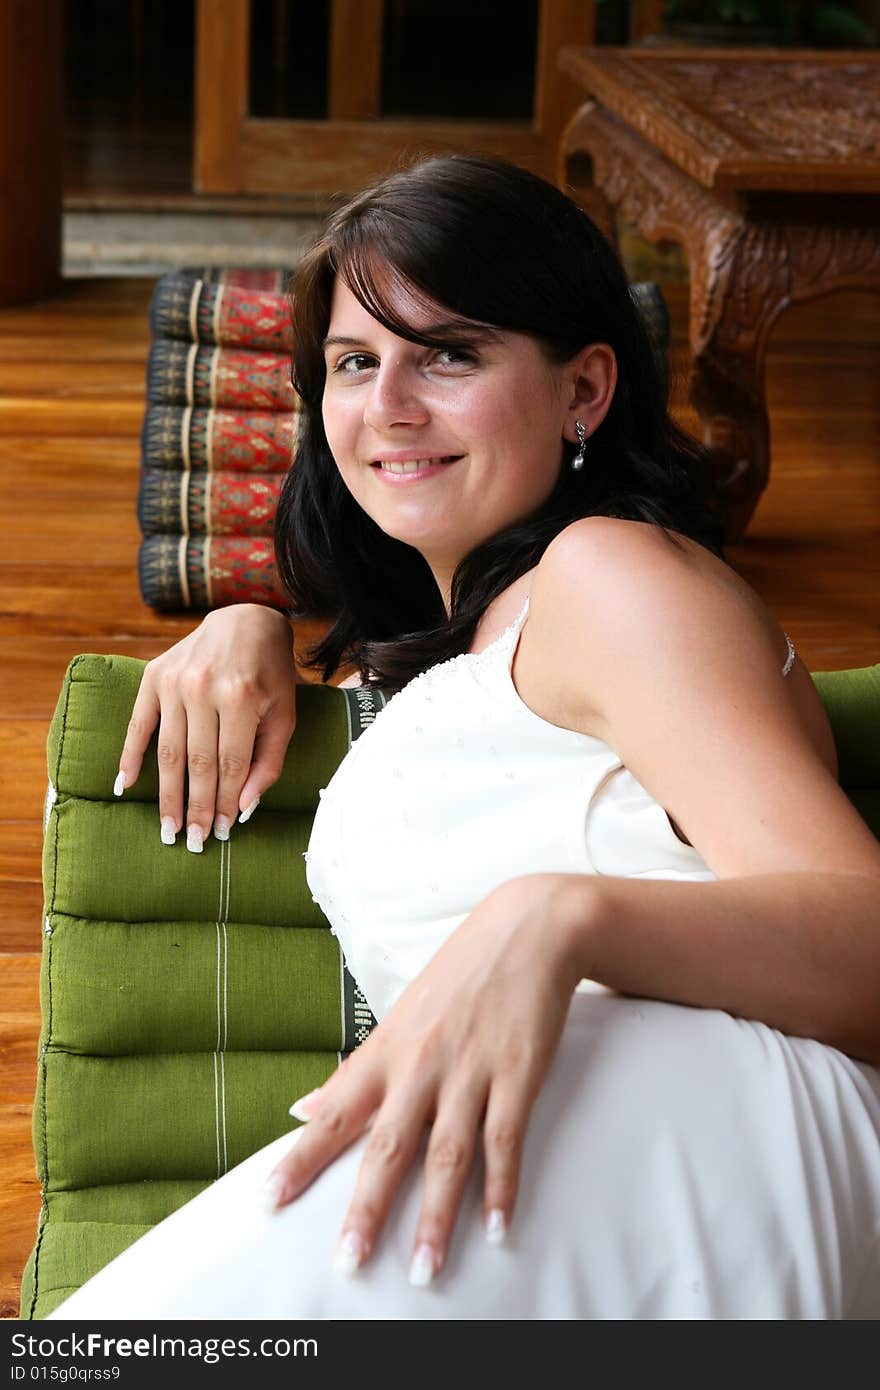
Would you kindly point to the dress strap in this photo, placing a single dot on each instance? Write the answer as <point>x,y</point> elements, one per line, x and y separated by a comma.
<point>520,619</point>
<point>792,655</point>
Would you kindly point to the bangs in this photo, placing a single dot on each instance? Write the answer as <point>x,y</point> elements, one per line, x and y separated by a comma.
<point>381,287</point>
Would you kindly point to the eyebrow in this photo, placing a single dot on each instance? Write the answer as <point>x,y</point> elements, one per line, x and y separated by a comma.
<point>342,342</point>
<point>449,330</point>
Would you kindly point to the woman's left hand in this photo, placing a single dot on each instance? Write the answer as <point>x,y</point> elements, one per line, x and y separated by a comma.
<point>468,1043</point>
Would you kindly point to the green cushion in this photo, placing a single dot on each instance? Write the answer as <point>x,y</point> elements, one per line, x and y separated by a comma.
<point>188,999</point>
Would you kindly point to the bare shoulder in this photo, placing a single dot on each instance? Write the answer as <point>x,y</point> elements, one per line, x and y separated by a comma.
<point>608,581</point>
<point>624,609</point>
<point>610,551</point>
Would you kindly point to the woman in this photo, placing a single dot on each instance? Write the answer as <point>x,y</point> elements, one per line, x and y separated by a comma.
<point>591,865</point>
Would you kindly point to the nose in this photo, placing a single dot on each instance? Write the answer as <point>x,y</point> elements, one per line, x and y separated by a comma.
<point>394,397</point>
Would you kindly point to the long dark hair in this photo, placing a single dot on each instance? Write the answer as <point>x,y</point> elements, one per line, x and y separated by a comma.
<point>497,245</point>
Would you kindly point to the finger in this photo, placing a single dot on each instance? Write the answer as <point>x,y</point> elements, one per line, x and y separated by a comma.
<point>237,730</point>
<point>270,749</point>
<point>395,1138</point>
<point>202,731</point>
<point>143,721</point>
<point>343,1114</point>
<point>504,1131</point>
<point>448,1162</point>
<point>171,758</point>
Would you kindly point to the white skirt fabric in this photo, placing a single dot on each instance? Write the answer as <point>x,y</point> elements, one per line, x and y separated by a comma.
<point>679,1164</point>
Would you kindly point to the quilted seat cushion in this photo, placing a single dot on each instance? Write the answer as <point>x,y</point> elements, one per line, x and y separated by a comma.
<point>186,999</point>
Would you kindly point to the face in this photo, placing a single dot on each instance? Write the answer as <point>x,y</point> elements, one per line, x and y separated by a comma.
<point>442,447</point>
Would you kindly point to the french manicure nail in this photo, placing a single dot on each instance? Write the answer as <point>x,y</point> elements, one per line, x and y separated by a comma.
<point>270,1194</point>
<point>301,1109</point>
<point>421,1269</point>
<point>221,828</point>
<point>249,811</point>
<point>194,839</point>
<point>349,1253</point>
<point>119,784</point>
<point>496,1226</point>
<point>169,831</point>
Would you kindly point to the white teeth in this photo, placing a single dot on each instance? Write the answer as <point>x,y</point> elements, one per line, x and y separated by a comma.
<point>411,465</point>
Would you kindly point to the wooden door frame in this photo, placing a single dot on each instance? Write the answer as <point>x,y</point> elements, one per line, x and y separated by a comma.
<point>236,153</point>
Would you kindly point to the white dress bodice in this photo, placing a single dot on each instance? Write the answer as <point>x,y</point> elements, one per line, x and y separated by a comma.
<point>455,787</point>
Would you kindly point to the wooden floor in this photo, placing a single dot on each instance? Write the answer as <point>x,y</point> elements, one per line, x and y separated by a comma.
<point>71,403</point>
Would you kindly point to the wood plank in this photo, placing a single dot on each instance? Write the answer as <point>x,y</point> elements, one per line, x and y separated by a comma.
<point>221,93</point>
<point>317,156</point>
<point>557,95</point>
<point>22,767</point>
<point>21,987</point>
<point>76,347</point>
<point>48,531</point>
<point>88,381</point>
<point>57,599</point>
<point>19,1202</point>
<point>72,460</point>
<point>94,497</point>
<point>107,295</point>
<point>118,416</point>
<point>40,663</point>
<point>19,1025</point>
<point>355,66</point>
<point>21,847</point>
<point>21,915</point>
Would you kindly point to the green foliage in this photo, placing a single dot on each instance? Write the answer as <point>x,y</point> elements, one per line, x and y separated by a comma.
<point>818,24</point>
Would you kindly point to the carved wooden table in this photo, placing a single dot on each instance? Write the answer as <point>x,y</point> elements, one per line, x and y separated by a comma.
<point>765,166</point>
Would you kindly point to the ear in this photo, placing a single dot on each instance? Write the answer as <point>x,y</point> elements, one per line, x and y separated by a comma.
<point>591,382</point>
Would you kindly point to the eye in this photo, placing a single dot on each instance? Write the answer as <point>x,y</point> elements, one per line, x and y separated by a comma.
<point>352,363</point>
<point>455,357</point>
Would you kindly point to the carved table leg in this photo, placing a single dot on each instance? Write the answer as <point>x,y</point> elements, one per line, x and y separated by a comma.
<point>739,286</point>
<point>727,375</point>
<point>575,175</point>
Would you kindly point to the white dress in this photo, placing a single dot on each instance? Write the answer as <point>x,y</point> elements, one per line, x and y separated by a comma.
<point>679,1162</point>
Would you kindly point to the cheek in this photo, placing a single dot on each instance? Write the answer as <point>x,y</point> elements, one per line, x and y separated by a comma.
<point>338,430</point>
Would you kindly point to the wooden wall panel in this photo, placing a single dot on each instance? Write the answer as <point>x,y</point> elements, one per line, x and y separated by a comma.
<point>31,127</point>
<point>221,92</point>
<point>355,77</point>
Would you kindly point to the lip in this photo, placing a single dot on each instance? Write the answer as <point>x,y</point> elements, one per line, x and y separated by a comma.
<point>422,475</point>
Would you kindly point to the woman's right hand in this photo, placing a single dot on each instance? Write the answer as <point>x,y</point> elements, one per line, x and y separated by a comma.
<point>224,699</point>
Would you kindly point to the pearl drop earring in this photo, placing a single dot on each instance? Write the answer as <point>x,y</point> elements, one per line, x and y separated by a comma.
<point>578,460</point>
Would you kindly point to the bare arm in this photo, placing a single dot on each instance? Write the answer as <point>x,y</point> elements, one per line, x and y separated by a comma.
<point>681,676</point>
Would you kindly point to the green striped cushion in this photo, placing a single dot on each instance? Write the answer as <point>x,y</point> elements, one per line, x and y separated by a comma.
<point>186,999</point>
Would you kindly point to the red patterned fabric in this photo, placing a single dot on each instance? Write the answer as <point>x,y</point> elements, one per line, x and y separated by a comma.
<point>218,438</point>
<point>243,571</point>
<point>177,438</point>
<point>248,318</point>
<point>212,504</point>
<point>219,312</point>
<point>221,377</point>
<point>244,380</point>
<point>202,572</point>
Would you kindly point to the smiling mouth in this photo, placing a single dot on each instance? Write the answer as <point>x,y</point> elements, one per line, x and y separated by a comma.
<point>414,465</point>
